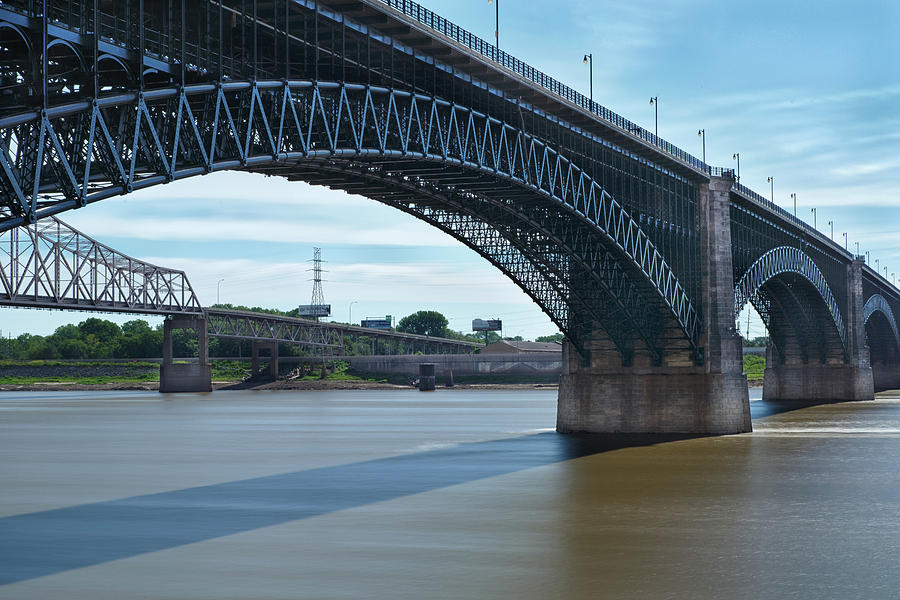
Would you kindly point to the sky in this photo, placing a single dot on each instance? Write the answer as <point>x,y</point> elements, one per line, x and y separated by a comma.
<point>807,93</point>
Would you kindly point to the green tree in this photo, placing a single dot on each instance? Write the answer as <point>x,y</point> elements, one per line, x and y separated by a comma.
<point>556,337</point>
<point>424,322</point>
<point>103,331</point>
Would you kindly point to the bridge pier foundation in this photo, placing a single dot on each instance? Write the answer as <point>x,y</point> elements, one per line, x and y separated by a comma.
<point>686,393</point>
<point>886,376</point>
<point>789,377</point>
<point>191,377</point>
<point>272,347</point>
<point>651,400</point>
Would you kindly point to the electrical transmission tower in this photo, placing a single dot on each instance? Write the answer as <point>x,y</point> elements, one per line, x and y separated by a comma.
<point>317,307</point>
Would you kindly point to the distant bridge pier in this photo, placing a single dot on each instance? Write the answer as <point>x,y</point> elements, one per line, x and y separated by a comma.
<point>684,392</point>
<point>191,377</point>
<point>272,348</point>
<point>793,372</point>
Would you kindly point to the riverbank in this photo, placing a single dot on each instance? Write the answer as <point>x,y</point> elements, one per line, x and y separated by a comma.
<point>281,384</point>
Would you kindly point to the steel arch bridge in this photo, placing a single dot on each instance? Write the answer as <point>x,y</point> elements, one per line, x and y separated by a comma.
<point>638,251</point>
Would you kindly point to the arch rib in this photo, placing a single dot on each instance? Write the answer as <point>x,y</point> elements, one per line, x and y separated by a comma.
<point>786,259</point>
<point>878,303</point>
<point>301,120</point>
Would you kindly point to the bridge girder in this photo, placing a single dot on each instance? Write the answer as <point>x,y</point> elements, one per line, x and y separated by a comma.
<point>52,265</point>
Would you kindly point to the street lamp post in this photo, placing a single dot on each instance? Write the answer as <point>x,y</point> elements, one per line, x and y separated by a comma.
<point>876,265</point>
<point>218,283</point>
<point>867,257</point>
<point>589,60</point>
<point>350,316</point>
<point>845,241</point>
<point>702,133</point>
<point>794,196</point>
<point>831,224</point>
<point>496,4</point>
<point>814,218</point>
<point>654,102</point>
<point>857,249</point>
<point>737,156</point>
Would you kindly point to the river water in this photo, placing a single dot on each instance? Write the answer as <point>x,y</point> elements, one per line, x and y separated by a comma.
<point>455,494</point>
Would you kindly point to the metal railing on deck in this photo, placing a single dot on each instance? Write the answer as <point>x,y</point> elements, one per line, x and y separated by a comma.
<point>458,34</point>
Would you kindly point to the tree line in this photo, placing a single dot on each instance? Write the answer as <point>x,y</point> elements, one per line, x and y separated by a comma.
<point>96,338</point>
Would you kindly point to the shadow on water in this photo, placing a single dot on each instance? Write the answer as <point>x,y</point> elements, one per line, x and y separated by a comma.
<point>766,408</point>
<point>47,542</point>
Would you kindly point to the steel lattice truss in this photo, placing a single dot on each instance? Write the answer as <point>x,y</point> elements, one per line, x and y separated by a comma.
<point>49,264</point>
<point>258,326</point>
<point>86,151</point>
<point>781,260</point>
<point>561,265</point>
<point>878,303</point>
<point>328,337</point>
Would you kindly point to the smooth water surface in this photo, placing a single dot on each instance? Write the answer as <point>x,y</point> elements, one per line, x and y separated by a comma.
<point>455,494</point>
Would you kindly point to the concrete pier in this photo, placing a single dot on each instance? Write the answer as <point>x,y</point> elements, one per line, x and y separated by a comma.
<point>683,394</point>
<point>272,349</point>
<point>191,377</point>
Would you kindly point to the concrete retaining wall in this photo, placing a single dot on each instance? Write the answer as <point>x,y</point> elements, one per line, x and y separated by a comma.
<point>462,365</point>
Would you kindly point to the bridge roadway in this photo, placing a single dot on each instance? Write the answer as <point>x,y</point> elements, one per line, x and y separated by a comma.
<point>642,254</point>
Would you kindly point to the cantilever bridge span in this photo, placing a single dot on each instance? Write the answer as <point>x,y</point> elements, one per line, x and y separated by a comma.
<point>638,251</point>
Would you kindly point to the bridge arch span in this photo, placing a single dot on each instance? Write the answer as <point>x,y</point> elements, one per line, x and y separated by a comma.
<point>487,166</point>
<point>794,299</point>
<point>882,334</point>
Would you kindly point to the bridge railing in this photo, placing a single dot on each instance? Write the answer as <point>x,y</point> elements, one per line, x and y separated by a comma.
<point>793,219</point>
<point>426,17</point>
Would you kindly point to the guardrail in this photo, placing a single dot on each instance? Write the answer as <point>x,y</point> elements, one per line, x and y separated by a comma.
<point>428,18</point>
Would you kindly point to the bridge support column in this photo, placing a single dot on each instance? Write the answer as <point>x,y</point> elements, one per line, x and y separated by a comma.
<point>788,377</point>
<point>191,377</point>
<point>272,347</point>
<point>685,394</point>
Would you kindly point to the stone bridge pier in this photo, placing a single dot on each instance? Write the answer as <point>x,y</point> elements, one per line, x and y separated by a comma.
<point>189,377</point>
<point>792,374</point>
<point>686,392</point>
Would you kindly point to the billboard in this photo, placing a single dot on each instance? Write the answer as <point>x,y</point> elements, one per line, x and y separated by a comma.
<point>383,324</point>
<point>487,325</point>
<point>314,310</point>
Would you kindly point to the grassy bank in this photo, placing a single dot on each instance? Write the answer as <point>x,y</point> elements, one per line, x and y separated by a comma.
<point>754,365</point>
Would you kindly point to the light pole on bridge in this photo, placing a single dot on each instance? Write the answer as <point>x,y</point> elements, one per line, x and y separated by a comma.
<point>794,196</point>
<point>813,210</point>
<point>218,283</point>
<point>654,102</point>
<point>831,224</point>
<point>350,316</point>
<point>737,156</point>
<point>845,241</point>
<point>867,257</point>
<point>771,181</point>
<point>702,133</point>
<point>589,60</point>
<point>496,4</point>
<point>857,249</point>
<point>876,265</point>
